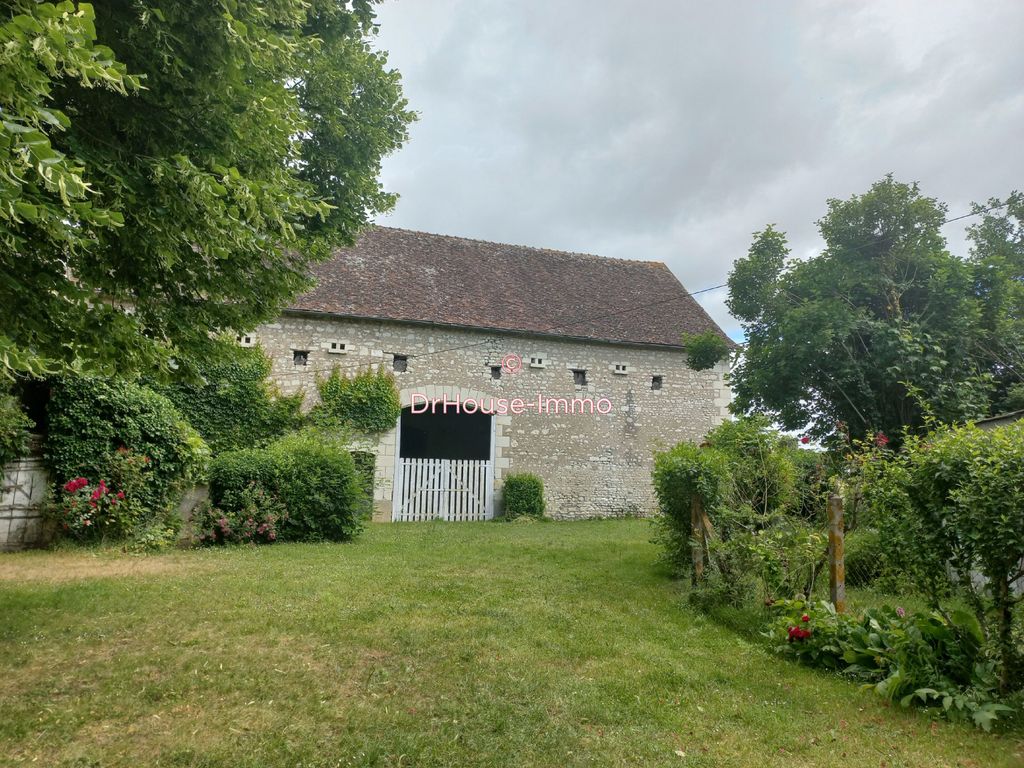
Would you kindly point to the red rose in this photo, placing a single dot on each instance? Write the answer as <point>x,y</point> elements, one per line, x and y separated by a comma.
<point>805,439</point>
<point>120,494</point>
<point>805,617</point>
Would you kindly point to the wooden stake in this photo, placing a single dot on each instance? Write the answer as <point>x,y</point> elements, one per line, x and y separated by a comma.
<point>836,553</point>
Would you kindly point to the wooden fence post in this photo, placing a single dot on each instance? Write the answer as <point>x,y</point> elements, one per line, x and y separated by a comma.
<point>697,540</point>
<point>836,553</point>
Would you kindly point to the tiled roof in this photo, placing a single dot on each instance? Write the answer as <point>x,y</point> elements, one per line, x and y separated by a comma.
<point>398,274</point>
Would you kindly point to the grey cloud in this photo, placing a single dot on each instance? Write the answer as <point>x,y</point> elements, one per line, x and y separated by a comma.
<point>672,131</point>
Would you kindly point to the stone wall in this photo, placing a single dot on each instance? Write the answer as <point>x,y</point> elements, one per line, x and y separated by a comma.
<point>592,465</point>
<point>25,483</point>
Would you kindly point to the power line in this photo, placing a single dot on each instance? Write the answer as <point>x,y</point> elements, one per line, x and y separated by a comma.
<point>494,339</point>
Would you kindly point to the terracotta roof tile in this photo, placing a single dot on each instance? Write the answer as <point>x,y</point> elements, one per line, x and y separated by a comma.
<point>398,274</point>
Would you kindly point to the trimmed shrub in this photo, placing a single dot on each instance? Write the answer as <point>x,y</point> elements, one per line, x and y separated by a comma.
<point>313,478</point>
<point>523,495</point>
<point>237,407</point>
<point>368,402</point>
<point>92,419</point>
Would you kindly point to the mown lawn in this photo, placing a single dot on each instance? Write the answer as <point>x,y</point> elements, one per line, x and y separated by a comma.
<point>418,645</point>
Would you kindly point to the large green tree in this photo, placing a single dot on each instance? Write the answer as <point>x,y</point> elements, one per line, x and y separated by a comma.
<point>169,169</point>
<point>997,255</point>
<point>879,329</point>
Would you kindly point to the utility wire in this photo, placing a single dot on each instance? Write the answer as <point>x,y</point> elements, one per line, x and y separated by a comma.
<point>588,318</point>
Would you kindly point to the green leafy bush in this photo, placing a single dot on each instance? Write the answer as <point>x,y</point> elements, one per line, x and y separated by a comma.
<point>523,495</point>
<point>91,419</point>
<point>925,659</point>
<point>681,474</point>
<point>14,427</point>
<point>705,350</point>
<point>745,478</point>
<point>367,402</point>
<point>952,501</point>
<point>313,478</point>
<point>761,462</point>
<point>237,407</point>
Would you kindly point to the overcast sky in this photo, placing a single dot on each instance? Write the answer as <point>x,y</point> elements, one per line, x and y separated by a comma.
<point>671,131</point>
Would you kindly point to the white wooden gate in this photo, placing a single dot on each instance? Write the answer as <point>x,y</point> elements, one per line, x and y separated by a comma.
<point>445,489</point>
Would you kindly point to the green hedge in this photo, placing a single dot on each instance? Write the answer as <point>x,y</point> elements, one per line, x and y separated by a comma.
<point>237,407</point>
<point>91,418</point>
<point>524,496</point>
<point>313,478</point>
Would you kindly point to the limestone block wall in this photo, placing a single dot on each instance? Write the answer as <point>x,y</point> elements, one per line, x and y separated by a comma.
<point>22,495</point>
<point>593,465</point>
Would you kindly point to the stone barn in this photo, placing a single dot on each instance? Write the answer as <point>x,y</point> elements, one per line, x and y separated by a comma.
<point>508,359</point>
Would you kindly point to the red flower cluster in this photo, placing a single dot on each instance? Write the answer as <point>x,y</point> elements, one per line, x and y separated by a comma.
<point>805,439</point>
<point>71,486</point>
<point>798,633</point>
<point>881,440</point>
<point>100,492</point>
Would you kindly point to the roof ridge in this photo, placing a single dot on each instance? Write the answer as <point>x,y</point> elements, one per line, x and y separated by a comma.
<point>554,251</point>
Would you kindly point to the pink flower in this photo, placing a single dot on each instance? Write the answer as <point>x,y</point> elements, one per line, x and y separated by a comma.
<point>900,611</point>
<point>881,440</point>
<point>120,494</point>
<point>805,439</point>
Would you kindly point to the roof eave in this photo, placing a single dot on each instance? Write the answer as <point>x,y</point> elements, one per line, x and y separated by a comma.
<point>484,328</point>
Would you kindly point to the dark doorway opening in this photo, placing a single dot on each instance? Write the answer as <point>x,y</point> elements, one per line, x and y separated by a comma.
<point>458,436</point>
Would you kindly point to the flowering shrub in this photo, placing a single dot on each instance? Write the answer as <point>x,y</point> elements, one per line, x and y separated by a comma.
<point>91,418</point>
<point>925,659</point>
<point>87,511</point>
<point>255,521</point>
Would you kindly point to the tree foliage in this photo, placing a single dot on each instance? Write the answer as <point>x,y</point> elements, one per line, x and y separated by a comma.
<point>876,332</point>
<point>170,171</point>
<point>997,257</point>
<point>705,350</point>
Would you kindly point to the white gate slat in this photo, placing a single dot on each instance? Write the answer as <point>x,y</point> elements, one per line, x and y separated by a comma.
<point>447,489</point>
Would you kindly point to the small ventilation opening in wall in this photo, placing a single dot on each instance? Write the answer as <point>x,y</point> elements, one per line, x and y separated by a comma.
<point>656,382</point>
<point>300,356</point>
<point>537,362</point>
<point>621,368</point>
<point>400,364</point>
<point>338,348</point>
<point>245,340</point>
<point>495,371</point>
<point>579,377</point>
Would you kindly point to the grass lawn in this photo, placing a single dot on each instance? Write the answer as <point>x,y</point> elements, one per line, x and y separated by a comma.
<point>418,645</point>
